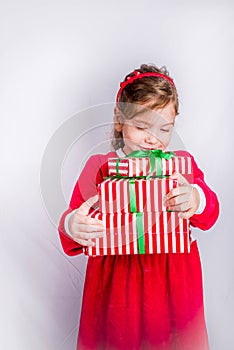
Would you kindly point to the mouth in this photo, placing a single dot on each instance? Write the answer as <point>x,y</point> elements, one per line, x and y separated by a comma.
<point>147,149</point>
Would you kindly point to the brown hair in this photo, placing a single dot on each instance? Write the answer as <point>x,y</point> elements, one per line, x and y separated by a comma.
<point>152,92</point>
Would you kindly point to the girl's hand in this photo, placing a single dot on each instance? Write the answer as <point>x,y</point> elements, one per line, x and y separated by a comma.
<point>184,198</point>
<point>84,228</point>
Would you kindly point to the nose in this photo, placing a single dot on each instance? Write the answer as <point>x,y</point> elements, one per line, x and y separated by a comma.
<point>152,140</point>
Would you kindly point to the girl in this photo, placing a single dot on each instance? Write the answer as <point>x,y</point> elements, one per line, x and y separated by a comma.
<point>150,301</point>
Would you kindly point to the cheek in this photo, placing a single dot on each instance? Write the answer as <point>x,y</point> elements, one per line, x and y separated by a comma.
<point>165,137</point>
<point>131,134</point>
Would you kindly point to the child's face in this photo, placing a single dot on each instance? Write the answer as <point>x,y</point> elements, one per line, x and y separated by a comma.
<point>148,129</point>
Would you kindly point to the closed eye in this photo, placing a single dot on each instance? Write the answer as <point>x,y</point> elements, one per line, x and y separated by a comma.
<point>165,130</point>
<point>141,127</point>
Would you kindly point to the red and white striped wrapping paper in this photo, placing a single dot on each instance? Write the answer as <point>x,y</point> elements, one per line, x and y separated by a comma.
<point>114,194</point>
<point>164,232</point>
<point>133,167</point>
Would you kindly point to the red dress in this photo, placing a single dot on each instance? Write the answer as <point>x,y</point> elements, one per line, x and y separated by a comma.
<point>141,301</point>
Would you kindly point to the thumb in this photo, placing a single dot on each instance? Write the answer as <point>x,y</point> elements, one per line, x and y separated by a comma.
<point>84,208</point>
<point>181,179</point>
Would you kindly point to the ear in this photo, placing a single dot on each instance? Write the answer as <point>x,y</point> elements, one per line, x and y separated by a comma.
<point>117,120</point>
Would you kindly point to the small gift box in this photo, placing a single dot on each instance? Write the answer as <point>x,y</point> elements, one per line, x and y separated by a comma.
<point>149,163</point>
<point>134,195</point>
<point>141,233</point>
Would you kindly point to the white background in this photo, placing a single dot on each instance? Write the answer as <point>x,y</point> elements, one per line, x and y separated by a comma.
<point>59,58</point>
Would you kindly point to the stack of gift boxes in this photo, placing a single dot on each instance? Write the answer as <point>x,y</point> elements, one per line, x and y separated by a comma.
<point>132,209</point>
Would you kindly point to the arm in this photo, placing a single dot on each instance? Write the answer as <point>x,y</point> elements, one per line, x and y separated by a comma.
<point>70,247</point>
<point>187,198</point>
<point>85,188</point>
<point>210,214</point>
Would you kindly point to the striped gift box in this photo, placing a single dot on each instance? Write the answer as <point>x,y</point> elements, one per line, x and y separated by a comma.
<point>133,167</point>
<point>162,233</point>
<point>134,195</point>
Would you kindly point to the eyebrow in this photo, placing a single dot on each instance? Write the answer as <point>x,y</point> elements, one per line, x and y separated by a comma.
<point>145,122</point>
<point>168,124</point>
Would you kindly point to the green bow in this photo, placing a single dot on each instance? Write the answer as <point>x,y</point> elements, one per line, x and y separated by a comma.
<point>155,156</point>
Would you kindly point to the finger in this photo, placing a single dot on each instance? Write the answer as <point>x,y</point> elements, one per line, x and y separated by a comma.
<point>87,229</point>
<point>175,192</point>
<point>84,242</point>
<point>86,220</point>
<point>182,198</point>
<point>181,207</point>
<point>187,214</point>
<point>181,179</point>
<point>84,208</point>
<point>88,235</point>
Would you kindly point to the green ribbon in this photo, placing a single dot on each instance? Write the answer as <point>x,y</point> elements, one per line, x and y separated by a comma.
<point>132,194</point>
<point>155,157</point>
<point>139,219</point>
<point>140,233</point>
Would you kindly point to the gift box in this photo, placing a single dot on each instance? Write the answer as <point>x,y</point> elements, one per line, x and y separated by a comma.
<point>141,233</point>
<point>134,195</point>
<point>149,166</point>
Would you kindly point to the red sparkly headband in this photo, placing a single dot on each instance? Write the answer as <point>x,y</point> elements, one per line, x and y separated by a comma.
<point>138,75</point>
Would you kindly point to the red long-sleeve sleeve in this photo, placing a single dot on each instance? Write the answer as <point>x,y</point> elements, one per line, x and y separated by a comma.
<point>210,214</point>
